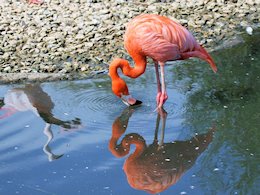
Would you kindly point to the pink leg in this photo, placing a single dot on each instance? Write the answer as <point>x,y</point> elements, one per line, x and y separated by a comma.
<point>159,92</point>
<point>163,97</point>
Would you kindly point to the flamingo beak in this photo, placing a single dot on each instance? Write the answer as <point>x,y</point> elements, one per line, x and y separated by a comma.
<point>130,101</point>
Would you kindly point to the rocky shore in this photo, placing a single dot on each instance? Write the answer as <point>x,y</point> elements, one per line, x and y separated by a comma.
<point>67,39</point>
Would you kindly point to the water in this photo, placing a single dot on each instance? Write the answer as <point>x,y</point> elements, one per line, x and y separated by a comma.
<point>76,137</point>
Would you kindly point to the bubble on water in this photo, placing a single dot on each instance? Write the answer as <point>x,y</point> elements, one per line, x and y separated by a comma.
<point>64,176</point>
<point>192,187</point>
<point>54,172</point>
<point>16,148</point>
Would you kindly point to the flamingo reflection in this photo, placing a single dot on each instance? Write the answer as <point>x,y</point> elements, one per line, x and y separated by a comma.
<point>153,168</point>
<point>33,98</point>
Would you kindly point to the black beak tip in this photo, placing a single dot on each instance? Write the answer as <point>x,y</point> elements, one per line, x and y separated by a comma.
<point>138,102</point>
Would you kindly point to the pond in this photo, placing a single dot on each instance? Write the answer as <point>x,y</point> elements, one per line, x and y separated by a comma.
<point>76,137</point>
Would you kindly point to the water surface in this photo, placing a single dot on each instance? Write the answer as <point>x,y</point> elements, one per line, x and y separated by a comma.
<point>76,137</point>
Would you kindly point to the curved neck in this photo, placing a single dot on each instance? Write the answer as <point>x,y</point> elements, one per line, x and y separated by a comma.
<point>123,148</point>
<point>133,72</point>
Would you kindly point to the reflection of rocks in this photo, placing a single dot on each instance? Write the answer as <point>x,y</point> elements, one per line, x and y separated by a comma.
<point>66,36</point>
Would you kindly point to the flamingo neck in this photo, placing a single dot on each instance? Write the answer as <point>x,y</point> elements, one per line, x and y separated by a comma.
<point>123,148</point>
<point>133,72</point>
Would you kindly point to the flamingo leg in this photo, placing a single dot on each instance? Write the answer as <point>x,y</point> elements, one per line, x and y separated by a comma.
<point>163,96</point>
<point>163,114</point>
<point>159,91</point>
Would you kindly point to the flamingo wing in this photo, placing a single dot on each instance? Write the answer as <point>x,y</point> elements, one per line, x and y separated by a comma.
<point>158,48</point>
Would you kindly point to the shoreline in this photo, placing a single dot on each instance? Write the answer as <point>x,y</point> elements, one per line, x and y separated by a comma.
<point>61,40</point>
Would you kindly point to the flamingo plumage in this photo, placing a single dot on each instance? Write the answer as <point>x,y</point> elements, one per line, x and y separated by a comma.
<point>160,38</point>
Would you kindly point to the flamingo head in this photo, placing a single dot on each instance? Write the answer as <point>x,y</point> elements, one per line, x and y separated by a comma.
<point>120,89</point>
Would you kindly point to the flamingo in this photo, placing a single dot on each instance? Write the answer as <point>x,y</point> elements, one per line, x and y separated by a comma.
<point>160,38</point>
<point>35,1</point>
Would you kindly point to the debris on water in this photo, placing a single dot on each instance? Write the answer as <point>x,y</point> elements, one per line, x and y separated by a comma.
<point>249,30</point>
<point>216,169</point>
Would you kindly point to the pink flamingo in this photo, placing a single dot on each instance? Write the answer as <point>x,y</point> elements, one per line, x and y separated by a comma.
<point>35,1</point>
<point>161,39</point>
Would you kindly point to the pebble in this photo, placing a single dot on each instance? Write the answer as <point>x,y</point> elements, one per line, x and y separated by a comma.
<point>63,36</point>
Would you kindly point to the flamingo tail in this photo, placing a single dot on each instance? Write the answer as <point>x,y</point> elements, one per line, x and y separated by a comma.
<point>209,59</point>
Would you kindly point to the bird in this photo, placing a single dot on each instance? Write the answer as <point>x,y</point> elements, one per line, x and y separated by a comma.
<point>35,1</point>
<point>160,38</point>
<point>157,166</point>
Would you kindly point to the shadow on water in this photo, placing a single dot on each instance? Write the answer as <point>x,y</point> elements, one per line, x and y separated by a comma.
<point>208,145</point>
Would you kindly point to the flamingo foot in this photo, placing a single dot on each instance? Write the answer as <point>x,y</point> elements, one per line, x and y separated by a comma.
<point>161,99</point>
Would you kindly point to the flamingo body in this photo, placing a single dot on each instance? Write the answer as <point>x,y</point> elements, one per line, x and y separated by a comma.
<point>161,39</point>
